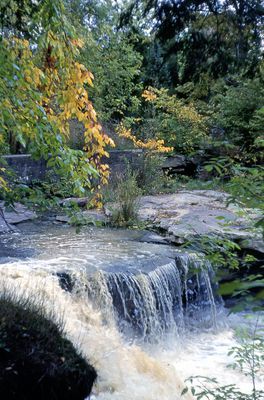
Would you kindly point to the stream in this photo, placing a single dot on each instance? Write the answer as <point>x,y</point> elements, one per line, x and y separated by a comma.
<point>135,313</point>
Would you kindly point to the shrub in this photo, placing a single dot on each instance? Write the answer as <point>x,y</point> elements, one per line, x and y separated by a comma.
<point>178,123</point>
<point>150,176</point>
<point>126,196</point>
<point>238,109</point>
<point>248,358</point>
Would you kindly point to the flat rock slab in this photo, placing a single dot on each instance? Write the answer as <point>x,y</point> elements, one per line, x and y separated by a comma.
<point>14,215</point>
<point>197,213</point>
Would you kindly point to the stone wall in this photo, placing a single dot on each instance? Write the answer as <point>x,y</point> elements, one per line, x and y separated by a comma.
<point>26,169</point>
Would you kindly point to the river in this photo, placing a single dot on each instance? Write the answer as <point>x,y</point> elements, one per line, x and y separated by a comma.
<point>129,366</point>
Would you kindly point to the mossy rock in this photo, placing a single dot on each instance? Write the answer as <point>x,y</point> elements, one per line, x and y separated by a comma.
<point>36,360</point>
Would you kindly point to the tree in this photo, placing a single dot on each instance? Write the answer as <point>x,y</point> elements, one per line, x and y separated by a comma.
<point>42,87</point>
<point>205,36</point>
<point>110,53</point>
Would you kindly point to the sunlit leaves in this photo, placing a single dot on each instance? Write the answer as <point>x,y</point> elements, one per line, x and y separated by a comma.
<point>178,123</point>
<point>43,87</point>
<point>150,145</point>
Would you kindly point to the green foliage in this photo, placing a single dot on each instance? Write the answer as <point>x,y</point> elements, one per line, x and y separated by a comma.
<point>244,184</point>
<point>243,284</point>
<point>41,196</point>
<point>116,65</point>
<point>217,38</point>
<point>210,388</point>
<point>238,109</point>
<point>167,117</point>
<point>111,55</point>
<point>247,186</point>
<point>221,166</point>
<point>126,194</point>
<point>16,16</point>
<point>221,252</point>
<point>248,358</point>
<point>42,86</point>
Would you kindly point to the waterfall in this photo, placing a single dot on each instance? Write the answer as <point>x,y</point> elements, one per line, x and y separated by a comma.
<point>167,300</point>
<point>125,370</point>
<point>118,317</point>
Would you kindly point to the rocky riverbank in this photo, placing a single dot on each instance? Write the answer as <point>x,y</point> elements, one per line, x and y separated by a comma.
<point>177,217</point>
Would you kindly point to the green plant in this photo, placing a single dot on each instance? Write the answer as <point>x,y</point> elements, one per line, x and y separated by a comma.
<point>238,109</point>
<point>169,118</point>
<point>126,193</point>
<point>150,176</point>
<point>221,252</point>
<point>248,358</point>
<point>220,166</point>
<point>42,87</point>
<point>210,389</point>
<point>232,271</point>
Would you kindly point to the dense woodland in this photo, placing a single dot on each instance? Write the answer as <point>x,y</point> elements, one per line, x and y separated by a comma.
<point>189,73</point>
<point>170,77</point>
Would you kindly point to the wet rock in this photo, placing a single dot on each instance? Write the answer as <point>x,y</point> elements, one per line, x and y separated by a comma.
<point>5,227</point>
<point>7,253</point>
<point>66,281</point>
<point>36,360</point>
<point>10,216</point>
<point>255,245</point>
<point>196,213</point>
<point>63,218</point>
<point>152,237</point>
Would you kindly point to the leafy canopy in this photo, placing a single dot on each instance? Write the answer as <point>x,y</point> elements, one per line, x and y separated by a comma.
<point>42,87</point>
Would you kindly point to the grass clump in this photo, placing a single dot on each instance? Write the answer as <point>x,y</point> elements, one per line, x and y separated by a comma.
<point>36,360</point>
<point>126,194</point>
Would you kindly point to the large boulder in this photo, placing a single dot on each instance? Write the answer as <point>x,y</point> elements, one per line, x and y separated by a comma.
<point>197,213</point>
<point>36,360</point>
<point>179,164</point>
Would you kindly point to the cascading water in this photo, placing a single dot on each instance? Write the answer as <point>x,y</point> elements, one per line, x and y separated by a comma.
<point>145,292</point>
<point>161,302</point>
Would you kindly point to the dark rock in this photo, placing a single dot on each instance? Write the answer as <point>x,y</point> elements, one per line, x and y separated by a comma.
<point>152,237</point>
<point>179,164</point>
<point>36,360</point>
<point>11,252</point>
<point>26,170</point>
<point>79,201</point>
<point>65,281</point>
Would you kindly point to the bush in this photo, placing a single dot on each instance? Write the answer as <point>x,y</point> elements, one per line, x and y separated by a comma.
<point>238,109</point>
<point>248,357</point>
<point>150,176</point>
<point>178,123</point>
<point>126,196</point>
<point>36,361</point>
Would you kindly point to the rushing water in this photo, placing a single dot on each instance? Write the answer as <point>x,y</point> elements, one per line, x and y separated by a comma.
<point>137,311</point>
